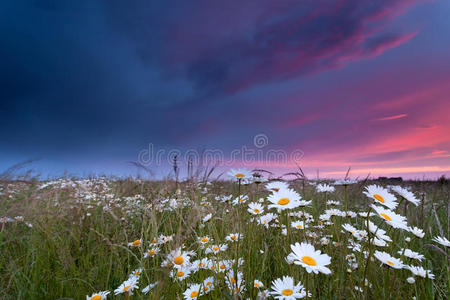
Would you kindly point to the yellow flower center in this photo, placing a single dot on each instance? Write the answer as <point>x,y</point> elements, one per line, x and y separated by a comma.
<point>178,260</point>
<point>126,288</point>
<point>136,243</point>
<point>283,201</point>
<point>379,198</point>
<point>151,252</point>
<point>206,288</point>
<point>213,267</point>
<point>390,263</point>
<point>96,297</point>
<point>309,260</point>
<point>386,217</point>
<point>287,292</point>
<point>233,280</point>
<point>256,284</point>
<point>180,274</point>
<point>204,240</point>
<point>239,175</point>
<point>216,248</point>
<point>194,294</point>
<point>256,210</point>
<point>209,283</point>
<point>233,237</point>
<point>222,267</point>
<point>299,226</point>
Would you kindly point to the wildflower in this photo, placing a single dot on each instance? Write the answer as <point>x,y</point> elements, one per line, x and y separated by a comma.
<point>323,187</point>
<point>417,231</point>
<point>192,292</point>
<point>381,195</point>
<point>442,240</point>
<point>298,225</point>
<point>284,289</point>
<point>239,174</point>
<point>393,219</point>
<point>266,219</point>
<point>208,284</point>
<point>215,249</point>
<point>204,240</point>
<point>98,296</point>
<point>149,287</point>
<point>127,286</point>
<point>407,195</point>
<point>151,252</point>
<point>207,218</point>
<point>276,186</point>
<point>136,273</point>
<point>389,260</point>
<point>181,273</point>
<point>255,208</point>
<point>136,243</point>
<point>235,284</point>
<point>312,260</point>
<point>285,199</point>
<point>258,284</point>
<point>411,254</point>
<point>419,271</point>
<point>179,258</point>
<point>234,237</point>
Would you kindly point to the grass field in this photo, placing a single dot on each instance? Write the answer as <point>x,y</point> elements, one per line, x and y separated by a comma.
<point>69,239</point>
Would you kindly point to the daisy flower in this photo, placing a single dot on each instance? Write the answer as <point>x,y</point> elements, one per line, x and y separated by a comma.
<point>284,289</point>
<point>393,219</point>
<point>284,199</point>
<point>299,225</point>
<point>323,187</point>
<point>207,218</point>
<point>442,240</point>
<point>208,284</point>
<point>127,286</point>
<point>389,260</point>
<point>312,260</point>
<point>417,231</point>
<point>381,195</point>
<point>239,174</point>
<point>411,254</point>
<point>98,296</point>
<point>192,292</point>
<point>419,271</point>
<point>235,285</point>
<point>181,273</point>
<point>258,284</point>
<point>240,200</point>
<point>204,240</point>
<point>409,196</point>
<point>216,248</point>
<point>179,258</point>
<point>266,219</point>
<point>136,243</point>
<point>276,186</point>
<point>234,237</point>
<point>255,208</point>
<point>151,252</point>
<point>149,287</point>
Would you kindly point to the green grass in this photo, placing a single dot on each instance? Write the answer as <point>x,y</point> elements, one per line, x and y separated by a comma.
<point>68,254</point>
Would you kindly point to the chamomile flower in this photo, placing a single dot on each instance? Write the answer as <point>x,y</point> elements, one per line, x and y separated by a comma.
<point>312,260</point>
<point>98,296</point>
<point>393,219</point>
<point>285,289</point>
<point>127,286</point>
<point>181,273</point>
<point>208,284</point>
<point>284,199</point>
<point>151,252</point>
<point>276,186</point>
<point>407,195</point>
<point>204,240</point>
<point>381,196</point>
<point>389,260</point>
<point>192,292</point>
<point>136,273</point>
<point>442,240</point>
<point>411,254</point>
<point>255,208</point>
<point>239,174</point>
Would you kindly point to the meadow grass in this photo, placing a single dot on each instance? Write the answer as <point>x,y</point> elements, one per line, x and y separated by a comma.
<point>73,240</point>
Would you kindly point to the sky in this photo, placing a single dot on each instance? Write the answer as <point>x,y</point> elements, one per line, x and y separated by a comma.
<point>86,87</point>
